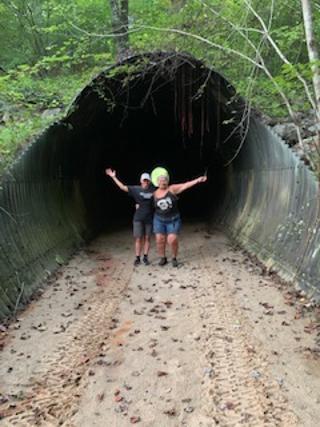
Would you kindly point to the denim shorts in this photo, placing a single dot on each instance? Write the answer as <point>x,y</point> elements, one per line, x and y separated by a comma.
<point>166,225</point>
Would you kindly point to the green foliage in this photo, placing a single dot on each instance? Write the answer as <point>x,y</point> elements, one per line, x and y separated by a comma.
<point>50,48</point>
<point>24,98</point>
<point>16,135</point>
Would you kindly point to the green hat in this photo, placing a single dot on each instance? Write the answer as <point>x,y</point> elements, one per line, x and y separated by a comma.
<point>156,173</point>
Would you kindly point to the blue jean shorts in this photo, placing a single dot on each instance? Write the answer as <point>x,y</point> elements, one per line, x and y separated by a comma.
<point>167,225</point>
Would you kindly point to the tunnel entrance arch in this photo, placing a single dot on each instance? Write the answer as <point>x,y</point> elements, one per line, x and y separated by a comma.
<point>154,109</point>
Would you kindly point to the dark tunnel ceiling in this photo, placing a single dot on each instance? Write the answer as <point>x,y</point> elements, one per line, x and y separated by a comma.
<point>157,109</point>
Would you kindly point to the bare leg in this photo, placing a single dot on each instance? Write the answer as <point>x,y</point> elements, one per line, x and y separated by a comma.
<point>161,244</point>
<point>174,244</point>
<point>138,245</point>
<point>146,245</point>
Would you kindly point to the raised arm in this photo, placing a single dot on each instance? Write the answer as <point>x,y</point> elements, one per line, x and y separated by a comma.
<point>179,188</point>
<point>112,174</point>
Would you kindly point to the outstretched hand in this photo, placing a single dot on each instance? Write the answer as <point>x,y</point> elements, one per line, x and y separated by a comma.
<point>110,172</point>
<point>202,179</point>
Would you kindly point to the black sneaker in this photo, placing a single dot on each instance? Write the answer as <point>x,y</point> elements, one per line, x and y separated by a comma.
<point>174,262</point>
<point>163,261</point>
<point>145,260</point>
<point>137,261</point>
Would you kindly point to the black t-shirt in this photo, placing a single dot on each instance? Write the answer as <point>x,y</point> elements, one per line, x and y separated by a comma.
<point>144,198</point>
<point>167,205</point>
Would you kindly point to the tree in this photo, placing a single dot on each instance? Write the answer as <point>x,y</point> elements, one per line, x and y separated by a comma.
<point>312,50</point>
<point>120,24</point>
<point>30,16</point>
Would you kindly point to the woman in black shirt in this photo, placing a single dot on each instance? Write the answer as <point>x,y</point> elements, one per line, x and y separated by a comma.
<point>167,221</point>
<point>142,220</point>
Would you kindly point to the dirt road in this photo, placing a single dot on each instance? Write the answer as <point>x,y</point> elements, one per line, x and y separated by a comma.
<point>211,343</point>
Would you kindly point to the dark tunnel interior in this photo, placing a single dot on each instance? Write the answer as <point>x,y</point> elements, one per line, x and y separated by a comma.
<point>179,120</point>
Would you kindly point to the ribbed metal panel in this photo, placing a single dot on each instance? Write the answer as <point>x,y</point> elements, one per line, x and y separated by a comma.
<point>271,207</point>
<point>42,217</point>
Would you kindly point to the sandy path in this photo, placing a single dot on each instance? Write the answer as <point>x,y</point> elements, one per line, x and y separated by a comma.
<point>210,343</point>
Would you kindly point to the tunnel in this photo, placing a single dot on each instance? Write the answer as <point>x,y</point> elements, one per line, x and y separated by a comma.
<point>156,109</point>
<point>171,113</point>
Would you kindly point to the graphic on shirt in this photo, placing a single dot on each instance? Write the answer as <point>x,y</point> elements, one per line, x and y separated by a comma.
<point>144,199</point>
<point>146,195</point>
<point>164,204</point>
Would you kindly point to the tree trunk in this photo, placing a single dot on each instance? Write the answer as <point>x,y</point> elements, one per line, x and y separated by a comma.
<point>312,50</point>
<point>178,4</point>
<point>120,18</point>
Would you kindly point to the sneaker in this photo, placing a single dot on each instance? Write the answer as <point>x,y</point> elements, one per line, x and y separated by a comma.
<point>137,261</point>
<point>174,262</point>
<point>145,260</point>
<point>163,261</point>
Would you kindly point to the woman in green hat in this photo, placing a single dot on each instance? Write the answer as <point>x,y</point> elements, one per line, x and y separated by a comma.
<point>166,220</point>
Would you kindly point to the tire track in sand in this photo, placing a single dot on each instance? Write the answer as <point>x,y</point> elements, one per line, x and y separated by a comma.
<point>57,387</point>
<point>238,389</point>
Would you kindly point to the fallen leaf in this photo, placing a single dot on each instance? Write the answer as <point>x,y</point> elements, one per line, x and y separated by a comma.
<point>135,420</point>
<point>229,405</point>
<point>171,412</point>
<point>168,303</point>
<point>162,373</point>
<point>268,312</point>
<point>100,397</point>
<point>138,313</point>
<point>266,305</point>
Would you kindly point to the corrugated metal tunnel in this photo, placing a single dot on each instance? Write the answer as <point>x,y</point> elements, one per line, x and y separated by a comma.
<point>156,109</point>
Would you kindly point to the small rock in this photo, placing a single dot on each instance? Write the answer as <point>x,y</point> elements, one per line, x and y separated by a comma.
<point>280,381</point>
<point>51,112</point>
<point>255,374</point>
<point>3,328</point>
<point>209,372</point>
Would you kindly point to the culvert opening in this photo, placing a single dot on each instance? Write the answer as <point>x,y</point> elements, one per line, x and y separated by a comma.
<point>160,109</point>
<point>155,109</point>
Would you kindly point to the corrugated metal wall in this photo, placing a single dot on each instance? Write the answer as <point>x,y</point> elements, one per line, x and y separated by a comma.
<point>271,207</point>
<point>42,219</point>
